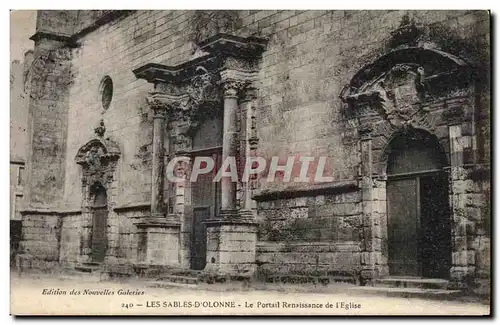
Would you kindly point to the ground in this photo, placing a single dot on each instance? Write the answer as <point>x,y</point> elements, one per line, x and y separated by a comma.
<point>27,297</point>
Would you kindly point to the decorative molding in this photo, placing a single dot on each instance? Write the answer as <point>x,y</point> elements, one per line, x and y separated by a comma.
<point>158,223</point>
<point>133,207</point>
<point>41,211</point>
<point>310,190</point>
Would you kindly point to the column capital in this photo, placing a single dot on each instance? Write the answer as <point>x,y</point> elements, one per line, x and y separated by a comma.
<point>236,81</point>
<point>163,103</point>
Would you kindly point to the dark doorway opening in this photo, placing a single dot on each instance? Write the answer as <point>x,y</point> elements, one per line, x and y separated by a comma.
<point>205,193</point>
<point>435,246</point>
<point>99,224</point>
<point>206,196</point>
<point>418,216</point>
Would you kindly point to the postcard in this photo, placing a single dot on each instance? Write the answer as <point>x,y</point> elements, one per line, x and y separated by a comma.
<point>250,162</point>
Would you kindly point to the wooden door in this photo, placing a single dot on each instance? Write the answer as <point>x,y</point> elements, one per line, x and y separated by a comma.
<point>199,238</point>
<point>99,240</point>
<point>206,197</point>
<point>99,226</point>
<point>436,226</point>
<point>403,227</point>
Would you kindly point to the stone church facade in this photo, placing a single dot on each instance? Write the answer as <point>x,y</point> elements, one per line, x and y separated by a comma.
<point>398,101</point>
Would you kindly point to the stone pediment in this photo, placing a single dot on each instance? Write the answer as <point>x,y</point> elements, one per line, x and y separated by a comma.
<point>395,84</point>
<point>94,151</point>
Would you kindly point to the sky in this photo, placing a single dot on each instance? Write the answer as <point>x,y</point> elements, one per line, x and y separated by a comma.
<point>22,27</point>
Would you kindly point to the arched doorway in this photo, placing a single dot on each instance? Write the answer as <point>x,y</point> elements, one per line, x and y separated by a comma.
<point>99,223</point>
<point>418,217</point>
<point>206,194</point>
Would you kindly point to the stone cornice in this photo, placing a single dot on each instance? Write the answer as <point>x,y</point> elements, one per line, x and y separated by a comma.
<point>39,35</point>
<point>155,72</point>
<point>234,46</point>
<point>105,18</point>
<point>223,50</point>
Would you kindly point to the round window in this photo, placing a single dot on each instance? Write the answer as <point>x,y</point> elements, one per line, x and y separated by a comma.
<point>106,91</point>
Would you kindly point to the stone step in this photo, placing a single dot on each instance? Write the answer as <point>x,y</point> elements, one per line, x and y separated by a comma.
<point>88,267</point>
<point>179,279</point>
<point>168,284</point>
<point>325,280</point>
<point>92,263</point>
<point>439,294</point>
<point>412,282</point>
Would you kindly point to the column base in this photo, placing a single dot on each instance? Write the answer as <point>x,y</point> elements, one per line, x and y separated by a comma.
<point>373,267</point>
<point>231,241</point>
<point>159,241</point>
<point>460,278</point>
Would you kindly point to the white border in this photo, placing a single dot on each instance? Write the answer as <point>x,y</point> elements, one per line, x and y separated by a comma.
<point>183,4</point>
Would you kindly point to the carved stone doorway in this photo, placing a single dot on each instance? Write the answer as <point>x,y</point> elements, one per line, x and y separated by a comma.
<point>98,159</point>
<point>99,223</point>
<point>419,220</point>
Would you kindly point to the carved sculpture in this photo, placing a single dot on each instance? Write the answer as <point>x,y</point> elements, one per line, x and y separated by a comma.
<point>98,160</point>
<point>395,95</point>
<point>101,129</point>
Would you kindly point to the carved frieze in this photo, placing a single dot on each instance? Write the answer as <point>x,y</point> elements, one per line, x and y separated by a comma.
<point>200,90</point>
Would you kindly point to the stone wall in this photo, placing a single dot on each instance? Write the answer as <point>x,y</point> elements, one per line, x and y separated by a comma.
<point>73,236</point>
<point>50,79</point>
<point>123,238</point>
<point>305,235</point>
<point>307,62</point>
<point>41,238</point>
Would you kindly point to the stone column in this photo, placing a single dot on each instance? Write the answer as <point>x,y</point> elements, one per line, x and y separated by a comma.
<point>229,144</point>
<point>158,164</point>
<point>459,272</point>
<point>159,234</point>
<point>249,144</point>
<point>367,256</point>
<point>373,263</point>
<point>231,238</point>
